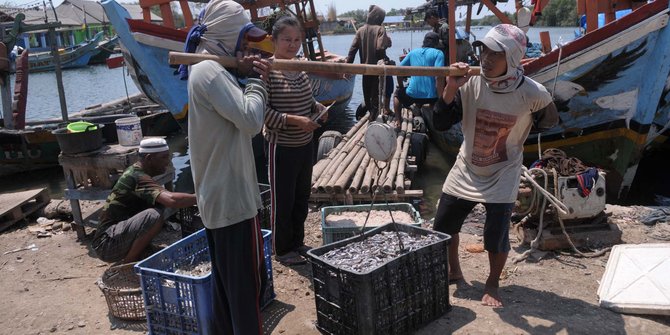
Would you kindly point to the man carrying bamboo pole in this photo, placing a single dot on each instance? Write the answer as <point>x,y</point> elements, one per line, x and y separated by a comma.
<point>497,111</point>
<point>222,119</point>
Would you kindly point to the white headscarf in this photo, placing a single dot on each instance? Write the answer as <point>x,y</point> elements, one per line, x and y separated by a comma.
<point>226,21</point>
<point>511,40</point>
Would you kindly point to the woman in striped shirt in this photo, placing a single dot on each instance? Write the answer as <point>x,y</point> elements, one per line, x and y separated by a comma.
<point>289,131</point>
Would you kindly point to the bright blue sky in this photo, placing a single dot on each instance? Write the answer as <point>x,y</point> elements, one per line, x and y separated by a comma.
<point>342,6</point>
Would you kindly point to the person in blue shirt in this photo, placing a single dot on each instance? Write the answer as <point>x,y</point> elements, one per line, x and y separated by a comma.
<point>422,89</point>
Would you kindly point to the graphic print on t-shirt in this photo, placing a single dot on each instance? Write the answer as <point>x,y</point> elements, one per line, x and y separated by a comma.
<point>491,131</point>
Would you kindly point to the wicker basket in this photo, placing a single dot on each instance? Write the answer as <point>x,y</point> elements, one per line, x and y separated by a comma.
<point>121,287</point>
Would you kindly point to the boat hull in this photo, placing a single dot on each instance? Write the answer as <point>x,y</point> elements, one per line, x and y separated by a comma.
<point>71,58</point>
<point>611,88</point>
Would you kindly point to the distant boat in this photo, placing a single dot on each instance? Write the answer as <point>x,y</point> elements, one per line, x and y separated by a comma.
<point>145,47</point>
<point>70,57</point>
<point>105,48</point>
<point>611,87</point>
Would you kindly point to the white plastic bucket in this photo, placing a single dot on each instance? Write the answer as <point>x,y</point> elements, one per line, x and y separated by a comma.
<point>129,131</point>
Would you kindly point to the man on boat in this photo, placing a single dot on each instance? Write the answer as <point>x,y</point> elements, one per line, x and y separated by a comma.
<point>497,111</point>
<point>371,43</point>
<point>224,115</point>
<point>135,210</point>
<point>422,89</point>
<point>441,28</point>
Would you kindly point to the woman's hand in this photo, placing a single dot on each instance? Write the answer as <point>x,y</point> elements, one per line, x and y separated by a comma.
<point>320,108</point>
<point>303,122</point>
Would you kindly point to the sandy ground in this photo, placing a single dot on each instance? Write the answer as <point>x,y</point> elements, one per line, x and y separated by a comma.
<point>52,289</point>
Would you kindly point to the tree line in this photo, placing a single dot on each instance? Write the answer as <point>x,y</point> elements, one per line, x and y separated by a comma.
<point>558,13</point>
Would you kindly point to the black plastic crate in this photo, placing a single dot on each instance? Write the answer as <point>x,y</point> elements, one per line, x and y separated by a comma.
<point>190,220</point>
<point>395,298</point>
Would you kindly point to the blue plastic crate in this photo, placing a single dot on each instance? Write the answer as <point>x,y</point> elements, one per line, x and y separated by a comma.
<point>180,304</point>
<point>334,234</point>
<point>190,220</point>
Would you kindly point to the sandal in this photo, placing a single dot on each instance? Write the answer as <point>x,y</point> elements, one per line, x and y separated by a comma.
<point>290,259</point>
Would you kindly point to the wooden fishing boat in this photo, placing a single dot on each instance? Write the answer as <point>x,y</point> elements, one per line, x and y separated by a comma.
<point>71,57</point>
<point>611,88</point>
<point>105,48</point>
<point>145,46</point>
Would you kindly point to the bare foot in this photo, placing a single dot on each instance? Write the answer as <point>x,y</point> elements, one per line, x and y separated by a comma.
<point>455,277</point>
<point>491,297</point>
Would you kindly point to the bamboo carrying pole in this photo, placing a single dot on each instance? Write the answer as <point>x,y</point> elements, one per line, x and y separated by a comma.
<point>344,68</point>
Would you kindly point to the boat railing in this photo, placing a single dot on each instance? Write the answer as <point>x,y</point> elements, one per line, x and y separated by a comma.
<point>165,7</point>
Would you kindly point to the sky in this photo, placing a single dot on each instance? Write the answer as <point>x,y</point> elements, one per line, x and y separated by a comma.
<point>342,6</point>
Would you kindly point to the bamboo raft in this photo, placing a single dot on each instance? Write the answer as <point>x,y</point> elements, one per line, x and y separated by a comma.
<point>348,174</point>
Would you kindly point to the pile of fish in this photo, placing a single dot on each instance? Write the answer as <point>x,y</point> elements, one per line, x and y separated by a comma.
<point>199,270</point>
<point>376,250</point>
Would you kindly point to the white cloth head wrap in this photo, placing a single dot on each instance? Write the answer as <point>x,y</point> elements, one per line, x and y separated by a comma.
<point>511,40</point>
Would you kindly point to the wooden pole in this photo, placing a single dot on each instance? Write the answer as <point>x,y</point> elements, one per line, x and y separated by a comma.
<point>6,91</point>
<point>452,31</point>
<point>344,68</point>
<point>500,15</point>
<point>59,74</point>
<point>545,39</point>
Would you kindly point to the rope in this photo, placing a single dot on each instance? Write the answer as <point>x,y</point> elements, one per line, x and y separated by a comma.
<point>374,194</point>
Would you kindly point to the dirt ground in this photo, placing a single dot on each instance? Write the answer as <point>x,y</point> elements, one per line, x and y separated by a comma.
<point>52,289</point>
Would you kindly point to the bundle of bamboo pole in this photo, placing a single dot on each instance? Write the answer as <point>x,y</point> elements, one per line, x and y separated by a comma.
<point>348,168</point>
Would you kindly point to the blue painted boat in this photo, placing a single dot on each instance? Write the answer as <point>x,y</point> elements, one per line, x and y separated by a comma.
<point>611,88</point>
<point>145,47</point>
<point>71,57</point>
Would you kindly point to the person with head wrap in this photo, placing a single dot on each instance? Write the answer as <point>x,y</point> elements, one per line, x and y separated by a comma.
<point>134,212</point>
<point>422,89</point>
<point>371,43</point>
<point>225,111</point>
<point>497,110</point>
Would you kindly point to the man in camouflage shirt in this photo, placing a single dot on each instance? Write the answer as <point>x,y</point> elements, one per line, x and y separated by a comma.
<point>134,212</point>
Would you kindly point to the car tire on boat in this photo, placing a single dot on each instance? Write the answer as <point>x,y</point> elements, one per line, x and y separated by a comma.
<point>328,140</point>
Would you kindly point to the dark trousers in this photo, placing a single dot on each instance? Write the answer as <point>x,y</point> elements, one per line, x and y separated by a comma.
<point>371,95</point>
<point>238,278</point>
<point>290,174</point>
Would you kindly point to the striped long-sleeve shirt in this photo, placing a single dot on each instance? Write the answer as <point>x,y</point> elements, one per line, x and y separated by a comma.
<point>288,93</point>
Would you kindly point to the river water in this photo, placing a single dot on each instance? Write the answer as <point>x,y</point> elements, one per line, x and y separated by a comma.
<point>98,84</point>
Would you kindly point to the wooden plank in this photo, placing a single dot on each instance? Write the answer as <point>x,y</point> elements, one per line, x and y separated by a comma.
<point>10,201</point>
<point>589,235</point>
<point>18,205</point>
